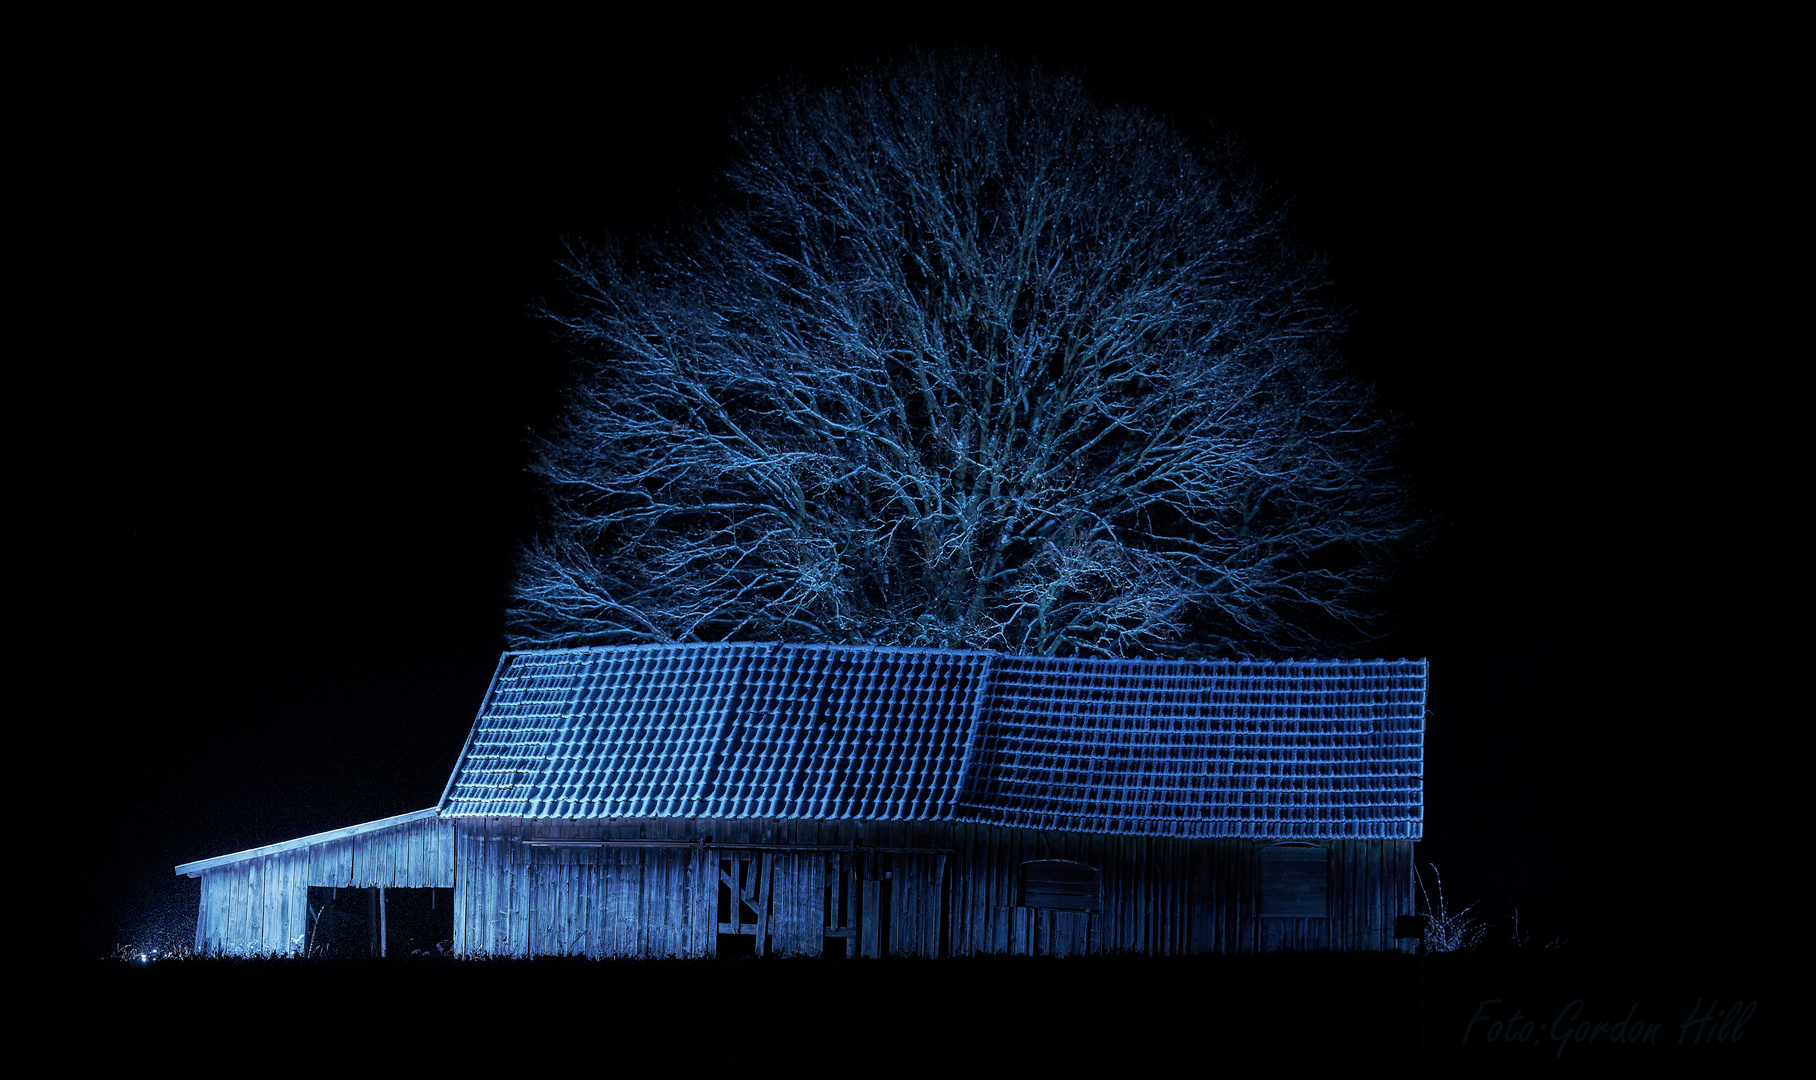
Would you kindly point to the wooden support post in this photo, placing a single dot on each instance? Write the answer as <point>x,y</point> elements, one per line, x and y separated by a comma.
<point>763,898</point>
<point>381,921</point>
<point>850,886</point>
<point>871,913</point>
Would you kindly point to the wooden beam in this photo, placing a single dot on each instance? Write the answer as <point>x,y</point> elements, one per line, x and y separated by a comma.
<point>556,841</point>
<point>870,915</point>
<point>763,895</point>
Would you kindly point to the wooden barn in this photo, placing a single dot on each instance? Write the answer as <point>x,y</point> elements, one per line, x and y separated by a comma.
<point>737,799</point>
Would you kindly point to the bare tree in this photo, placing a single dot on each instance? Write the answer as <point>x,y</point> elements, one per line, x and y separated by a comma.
<point>971,359</point>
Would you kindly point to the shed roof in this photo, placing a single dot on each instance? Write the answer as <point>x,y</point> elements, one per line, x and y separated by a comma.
<point>194,869</point>
<point>1296,749</point>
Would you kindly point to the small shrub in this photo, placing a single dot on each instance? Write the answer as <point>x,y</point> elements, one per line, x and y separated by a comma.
<point>1448,932</point>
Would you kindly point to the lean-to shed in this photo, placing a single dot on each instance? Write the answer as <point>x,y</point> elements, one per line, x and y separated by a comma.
<point>700,800</point>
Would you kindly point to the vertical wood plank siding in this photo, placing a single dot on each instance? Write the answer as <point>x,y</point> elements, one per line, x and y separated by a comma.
<point>1160,896</point>
<point>260,906</point>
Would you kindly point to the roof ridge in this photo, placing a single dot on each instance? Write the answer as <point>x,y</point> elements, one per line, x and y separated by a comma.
<point>920,649</point>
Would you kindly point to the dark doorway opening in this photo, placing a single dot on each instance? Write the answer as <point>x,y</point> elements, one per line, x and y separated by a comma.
<point>360,923</point>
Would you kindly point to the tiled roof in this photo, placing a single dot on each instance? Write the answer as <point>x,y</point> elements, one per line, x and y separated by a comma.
<point>829,732</point>
<point>721,731</point>
<point>1295,749</point>
<point>1200,749</point>
<point>627,732</point>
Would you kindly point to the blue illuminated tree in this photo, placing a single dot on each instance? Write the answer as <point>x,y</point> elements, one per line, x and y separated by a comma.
<point>969,359</point>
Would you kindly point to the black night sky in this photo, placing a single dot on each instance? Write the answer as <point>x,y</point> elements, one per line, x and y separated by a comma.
<point>311,367</point>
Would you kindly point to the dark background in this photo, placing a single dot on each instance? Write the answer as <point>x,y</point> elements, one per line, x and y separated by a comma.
<point>298,354</point>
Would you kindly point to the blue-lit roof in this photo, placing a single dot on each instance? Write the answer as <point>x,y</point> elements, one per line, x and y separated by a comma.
<point>1305,749</point>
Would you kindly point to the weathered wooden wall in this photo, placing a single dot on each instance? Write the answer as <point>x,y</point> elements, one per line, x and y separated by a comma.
<point>514,899</point>
<point>1166,897</point>
<point>259,906</point>
<point>1370,885</point>
<point>256,907</point>
<point>520,892</point>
